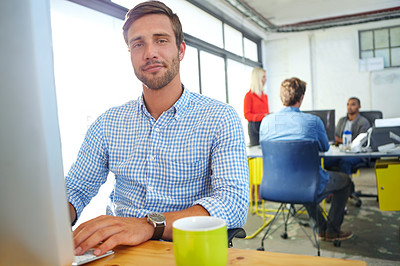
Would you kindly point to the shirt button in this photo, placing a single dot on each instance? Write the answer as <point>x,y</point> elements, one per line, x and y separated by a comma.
<point>152,158</point>
<point>156,129</point>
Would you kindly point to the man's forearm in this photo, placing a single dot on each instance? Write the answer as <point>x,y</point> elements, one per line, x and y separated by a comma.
<point>170,217</point>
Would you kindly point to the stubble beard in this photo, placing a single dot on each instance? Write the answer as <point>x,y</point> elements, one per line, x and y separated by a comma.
<point>156,83</point>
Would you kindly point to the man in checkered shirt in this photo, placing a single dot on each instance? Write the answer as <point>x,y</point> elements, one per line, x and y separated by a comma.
<point>172,152</point>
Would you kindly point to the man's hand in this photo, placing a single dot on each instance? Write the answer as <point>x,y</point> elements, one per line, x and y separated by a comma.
<point>111,231</point>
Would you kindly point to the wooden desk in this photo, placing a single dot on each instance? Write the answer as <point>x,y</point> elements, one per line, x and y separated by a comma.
<point>162,253</point>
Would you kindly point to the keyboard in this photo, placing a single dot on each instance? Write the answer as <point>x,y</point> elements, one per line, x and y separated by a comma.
<point>88,256</point>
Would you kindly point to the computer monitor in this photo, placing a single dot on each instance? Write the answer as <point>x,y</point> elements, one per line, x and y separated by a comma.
<point>35,224</point>
<point>328,118</point>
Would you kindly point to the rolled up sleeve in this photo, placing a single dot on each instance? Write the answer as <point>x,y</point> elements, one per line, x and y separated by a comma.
<point>230,174</point>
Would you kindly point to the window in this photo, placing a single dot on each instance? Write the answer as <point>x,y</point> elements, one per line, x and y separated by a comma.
<point>190,69</point>
<point>190,17</point>
<point>213,76</point>
<point>233,40</point>
<point>383,42</point>
<point>250,50</point>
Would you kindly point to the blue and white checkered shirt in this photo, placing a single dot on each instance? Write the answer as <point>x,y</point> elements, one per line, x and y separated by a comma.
<point>194,153</point>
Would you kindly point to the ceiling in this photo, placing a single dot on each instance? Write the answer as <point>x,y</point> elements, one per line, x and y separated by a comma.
<point>300,15</point>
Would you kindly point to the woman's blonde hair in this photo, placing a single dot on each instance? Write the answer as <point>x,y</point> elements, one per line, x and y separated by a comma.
<point>256,85</point>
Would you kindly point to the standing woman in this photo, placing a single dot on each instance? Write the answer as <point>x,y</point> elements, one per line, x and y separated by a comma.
<point>256,104</point>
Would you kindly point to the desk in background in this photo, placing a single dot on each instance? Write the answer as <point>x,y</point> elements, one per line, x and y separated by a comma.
<point>256,152</point>
<point>335,152</point>
<point>162,253</point>
<point>387,170</point>
<point>388,183</point>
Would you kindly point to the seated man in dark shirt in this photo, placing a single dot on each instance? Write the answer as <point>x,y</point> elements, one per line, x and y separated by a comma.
<point>356,124</point>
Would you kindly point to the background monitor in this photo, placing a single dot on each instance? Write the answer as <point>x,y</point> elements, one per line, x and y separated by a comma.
<point>328,118</point>
<point>35,225</point>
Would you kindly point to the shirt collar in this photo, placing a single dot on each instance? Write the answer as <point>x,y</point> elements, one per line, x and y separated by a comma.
<point>178,108</point>
<point>290,109</point>
<point>182,103</point>
<point>358,115</point>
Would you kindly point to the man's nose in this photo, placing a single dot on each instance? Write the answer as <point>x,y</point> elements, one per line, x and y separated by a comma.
<point>150,52</point>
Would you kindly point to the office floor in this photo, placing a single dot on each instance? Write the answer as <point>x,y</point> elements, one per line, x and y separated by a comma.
<point>376,237</point>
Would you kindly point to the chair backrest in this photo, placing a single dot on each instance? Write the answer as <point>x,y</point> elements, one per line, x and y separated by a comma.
<point>290,171</point>
<point>371,116</point>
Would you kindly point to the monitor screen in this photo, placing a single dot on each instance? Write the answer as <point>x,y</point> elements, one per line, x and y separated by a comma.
<point>328,118</point>
<point>35,225</point>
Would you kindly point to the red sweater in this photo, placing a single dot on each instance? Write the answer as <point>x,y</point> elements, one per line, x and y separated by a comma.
<point>255,107</point>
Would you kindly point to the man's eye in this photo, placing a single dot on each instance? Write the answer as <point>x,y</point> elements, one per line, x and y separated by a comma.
<point>162,41</point>
<point>136,45</point>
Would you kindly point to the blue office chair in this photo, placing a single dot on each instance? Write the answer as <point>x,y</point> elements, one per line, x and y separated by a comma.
<point>291,176</point>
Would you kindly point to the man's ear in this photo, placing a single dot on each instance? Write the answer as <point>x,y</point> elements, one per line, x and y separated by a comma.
<point>182,49</point>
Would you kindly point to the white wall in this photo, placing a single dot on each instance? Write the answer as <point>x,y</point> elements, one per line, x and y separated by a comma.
<point>328,61</point>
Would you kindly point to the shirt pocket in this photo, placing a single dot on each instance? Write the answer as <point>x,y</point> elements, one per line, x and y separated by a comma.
<point>188,172</point>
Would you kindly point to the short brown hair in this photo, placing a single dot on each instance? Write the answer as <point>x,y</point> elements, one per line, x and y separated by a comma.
<point>153,7</point>
<point>291,91</point>
<point>355,98</point>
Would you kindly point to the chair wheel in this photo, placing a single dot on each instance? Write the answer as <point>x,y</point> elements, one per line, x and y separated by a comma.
<point>284,235</point>
<point>337,243</point>
<point>358,203</point>
<point>260,249</point>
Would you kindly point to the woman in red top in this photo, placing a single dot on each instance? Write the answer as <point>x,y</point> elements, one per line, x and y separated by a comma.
<point>256,104</point>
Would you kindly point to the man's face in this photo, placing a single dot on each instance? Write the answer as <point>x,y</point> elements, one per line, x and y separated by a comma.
<point>154,55</point>
<point>353,107</point>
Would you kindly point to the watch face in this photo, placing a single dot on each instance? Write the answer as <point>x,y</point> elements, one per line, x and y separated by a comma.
<point>156,217</point>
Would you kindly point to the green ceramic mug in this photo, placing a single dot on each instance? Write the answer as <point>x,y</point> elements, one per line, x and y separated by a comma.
<point>200,240</point>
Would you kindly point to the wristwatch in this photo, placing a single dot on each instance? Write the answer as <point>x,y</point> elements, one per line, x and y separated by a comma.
<point>158,221</point>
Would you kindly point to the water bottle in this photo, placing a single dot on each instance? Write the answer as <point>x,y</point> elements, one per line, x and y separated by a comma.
<point>346,139</point>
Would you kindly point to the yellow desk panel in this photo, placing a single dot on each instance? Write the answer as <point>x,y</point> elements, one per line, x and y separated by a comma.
<point>388,184</point>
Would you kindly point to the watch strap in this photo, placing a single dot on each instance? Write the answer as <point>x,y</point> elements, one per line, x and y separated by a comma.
<point>158,221</point>
<point>158,231</point>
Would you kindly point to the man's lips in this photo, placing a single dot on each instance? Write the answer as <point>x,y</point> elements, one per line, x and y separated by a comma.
<point>152,67</point>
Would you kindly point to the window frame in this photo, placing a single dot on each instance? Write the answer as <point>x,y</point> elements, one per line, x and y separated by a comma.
<point>374,49</point>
